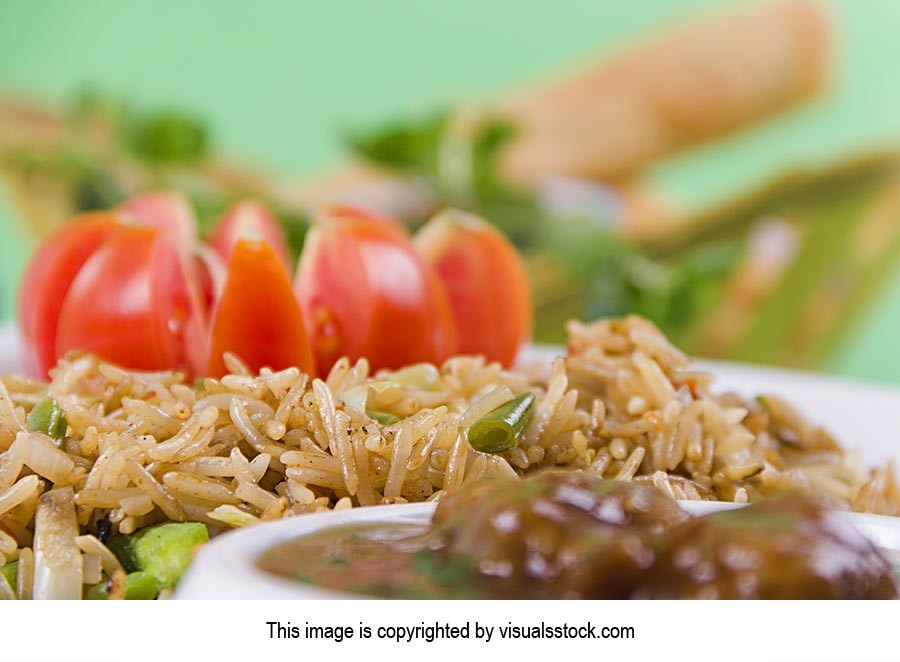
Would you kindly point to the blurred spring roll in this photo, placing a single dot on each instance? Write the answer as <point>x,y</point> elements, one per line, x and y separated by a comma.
<point>693,84</point>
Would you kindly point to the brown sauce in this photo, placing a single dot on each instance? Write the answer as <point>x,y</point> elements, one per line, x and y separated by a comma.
<point>570,535</point>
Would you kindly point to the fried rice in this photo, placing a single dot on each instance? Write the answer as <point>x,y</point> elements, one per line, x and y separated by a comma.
<point>142,448</point>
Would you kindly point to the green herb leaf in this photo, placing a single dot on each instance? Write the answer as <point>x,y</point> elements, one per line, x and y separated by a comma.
<point>407,147</point>
<point>168,138</point>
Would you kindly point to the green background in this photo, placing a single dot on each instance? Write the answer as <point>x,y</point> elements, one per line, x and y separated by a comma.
<point>279,82</point>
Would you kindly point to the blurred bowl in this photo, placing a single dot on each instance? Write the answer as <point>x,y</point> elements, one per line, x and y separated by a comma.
<point>226,569</point>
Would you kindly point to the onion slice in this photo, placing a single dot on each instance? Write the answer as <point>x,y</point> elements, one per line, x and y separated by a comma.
<point>58,573</point>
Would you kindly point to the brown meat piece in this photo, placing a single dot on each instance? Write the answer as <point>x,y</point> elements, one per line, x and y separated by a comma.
<point>786,548</point>
<point>558,535</point>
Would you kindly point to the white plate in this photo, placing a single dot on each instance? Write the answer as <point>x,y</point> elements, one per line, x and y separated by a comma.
<point>10,349</point>
<point>862,416</point>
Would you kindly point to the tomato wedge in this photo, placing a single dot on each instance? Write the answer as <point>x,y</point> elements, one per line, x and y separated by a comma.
<point>165,210</point>
<point>486,281</point>
<point>172,213</point>
<point>258,317</point>
<point>249,219</point>
<point>132,303</point>
<point>46,282</point>
<point>366,293</point>
<point>209,273</point>
<point>346,212</point>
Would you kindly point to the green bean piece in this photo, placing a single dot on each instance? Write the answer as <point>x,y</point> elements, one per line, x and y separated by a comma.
<point>163,550</point>
<point>48,417</point>
<point>502,429</point>
<point>141,586</point>
<point>97,591</point>
<point>10,571</point>
<point>138,586</point>
<point>381,417</point>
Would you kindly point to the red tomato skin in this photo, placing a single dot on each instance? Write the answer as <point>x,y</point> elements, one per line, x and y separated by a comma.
<point>486,281</point>
<point>165,210</point>
<point>132,304</point>
<point>258,317</point>
<point>46,282</point>
<point>366,293</point>
<point>248,219</point>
